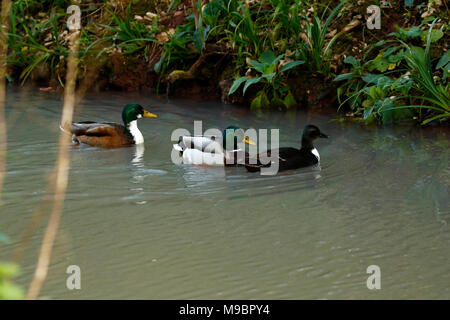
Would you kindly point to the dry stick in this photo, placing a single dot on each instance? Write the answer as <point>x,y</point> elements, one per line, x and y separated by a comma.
<point>4,25</point>
<point>62,174</point>
<point>17,257</point>
<point>194,8</point>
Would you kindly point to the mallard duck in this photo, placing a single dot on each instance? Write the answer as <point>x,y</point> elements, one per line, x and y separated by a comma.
<point>292,158</point>
<point>201,150</point>
<point>109,134</point>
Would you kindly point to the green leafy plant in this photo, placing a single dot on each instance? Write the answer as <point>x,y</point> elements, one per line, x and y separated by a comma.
<point>9,290</point>
<point>129,35</point>
<point>177,51</point>
<point>34,42</point>
<point>270,72</point>
<point>434,96</point>
<point>316,51</point>
<point>406,81</point>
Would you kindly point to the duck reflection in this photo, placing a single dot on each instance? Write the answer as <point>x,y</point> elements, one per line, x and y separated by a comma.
<point>138,167</point>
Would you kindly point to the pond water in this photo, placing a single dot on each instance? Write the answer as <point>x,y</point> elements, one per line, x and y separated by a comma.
<point>141,227</point>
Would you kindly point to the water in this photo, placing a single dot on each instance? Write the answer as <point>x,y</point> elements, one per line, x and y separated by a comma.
<point>141,227</point>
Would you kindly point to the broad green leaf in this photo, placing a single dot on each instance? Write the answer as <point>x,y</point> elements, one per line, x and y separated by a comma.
<point>158,65</point>
<point>267,57</point>
<point>396,58</point>
<point>257,65</point>
<point>412,32</point>
<point>353,61</point>
<point>367,112</point>
<point>269,76</point>
<point>403,84</point>
<point>269,68</point>
<point>289,100</point>
<point>384,82</point>
<point>371,78</point>
<point>367,103</point>
<point>260,101</point>
<point>249,82</point>
<point>436,34</point>
<point>381,64</point>
<point>418,52</point>
<point>445,59</point>
<point>344,76</point>
<point>291,65</point>
<point>236,84</point>
<point>390,51</point>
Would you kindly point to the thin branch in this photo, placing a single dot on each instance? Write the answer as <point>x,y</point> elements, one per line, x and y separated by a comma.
<point>61,174</point>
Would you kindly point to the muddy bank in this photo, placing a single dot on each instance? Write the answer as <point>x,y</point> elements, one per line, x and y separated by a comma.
<point>176,49</point>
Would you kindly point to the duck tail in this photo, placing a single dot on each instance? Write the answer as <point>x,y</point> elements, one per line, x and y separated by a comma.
<point>178,147</point>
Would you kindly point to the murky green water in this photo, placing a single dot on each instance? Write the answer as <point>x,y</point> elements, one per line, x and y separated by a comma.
<point>141,227</point>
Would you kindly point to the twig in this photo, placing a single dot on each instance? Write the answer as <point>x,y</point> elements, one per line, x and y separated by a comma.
<point>61,174</point>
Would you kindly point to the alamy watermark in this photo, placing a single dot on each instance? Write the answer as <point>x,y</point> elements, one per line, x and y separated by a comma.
<point>374,11</point>
<point>374,280</point>
<point>74,20</point>
<point>74,280</point>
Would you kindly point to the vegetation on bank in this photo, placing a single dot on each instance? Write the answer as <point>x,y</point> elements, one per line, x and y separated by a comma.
<point>265,53</point>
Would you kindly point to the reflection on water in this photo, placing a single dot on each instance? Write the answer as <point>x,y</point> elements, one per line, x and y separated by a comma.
<point>141,227</point>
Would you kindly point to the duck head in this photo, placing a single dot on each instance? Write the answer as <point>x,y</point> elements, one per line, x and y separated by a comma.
<point>134,111</point>
<point>235,134</point>
<point>311,133</point>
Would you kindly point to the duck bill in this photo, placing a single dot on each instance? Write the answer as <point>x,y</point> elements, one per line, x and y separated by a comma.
<point>248,141</point>
<point>323,135</point>
<point>149,114</point>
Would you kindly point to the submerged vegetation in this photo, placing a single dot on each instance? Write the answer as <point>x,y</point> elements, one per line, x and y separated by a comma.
<point>263,53</point>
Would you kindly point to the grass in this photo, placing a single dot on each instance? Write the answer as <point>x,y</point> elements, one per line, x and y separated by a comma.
<point>437,96</point>
<point>399,83</point>
<point>129,35</point>
<point>316,50</point>
<point>35,42</point>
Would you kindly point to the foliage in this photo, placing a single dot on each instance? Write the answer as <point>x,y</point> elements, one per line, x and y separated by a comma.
<point>399,82</point>
<point>434,96</point>
<point>8,290</point>
<point>34,42</point>
<point>177,51</point>
<point>268,65</point>
<point>129,35</point>
<point>316,50</point>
